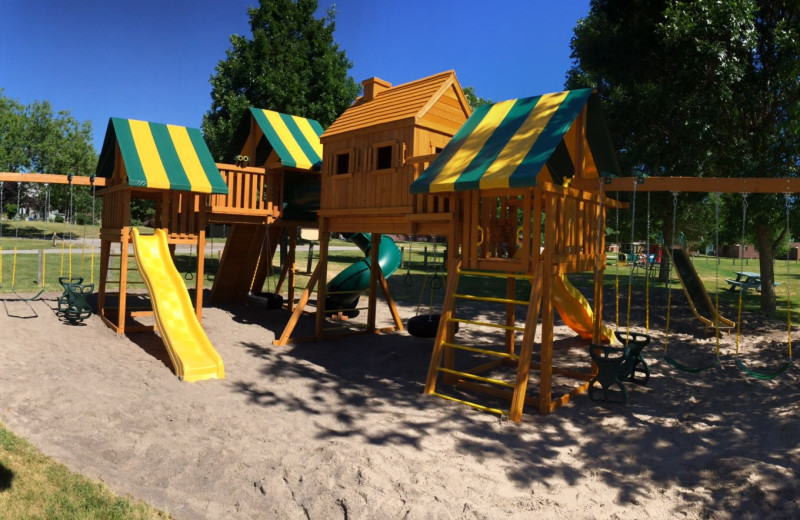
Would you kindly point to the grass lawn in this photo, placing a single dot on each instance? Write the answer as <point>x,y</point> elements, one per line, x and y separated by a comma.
<point>33,486</point>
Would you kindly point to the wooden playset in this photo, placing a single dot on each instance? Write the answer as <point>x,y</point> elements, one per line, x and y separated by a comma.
<point>517,190</point>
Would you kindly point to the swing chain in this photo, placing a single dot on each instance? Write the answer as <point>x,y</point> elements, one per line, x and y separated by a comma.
<point>788,200</point>
<point>437,279</point>
<point>408,279</point>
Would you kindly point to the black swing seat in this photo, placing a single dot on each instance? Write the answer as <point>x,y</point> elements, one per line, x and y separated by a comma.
<point>616,365</point>
<point>72,303</point>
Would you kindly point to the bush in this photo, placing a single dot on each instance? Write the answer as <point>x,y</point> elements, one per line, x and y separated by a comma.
<point>10,210</point>
<point>59,219</point>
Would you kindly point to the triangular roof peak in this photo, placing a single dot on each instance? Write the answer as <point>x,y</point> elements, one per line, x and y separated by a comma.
<point>382,103</point>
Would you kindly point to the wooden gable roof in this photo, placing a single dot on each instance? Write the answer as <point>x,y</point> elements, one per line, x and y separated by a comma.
<point>408,103</point>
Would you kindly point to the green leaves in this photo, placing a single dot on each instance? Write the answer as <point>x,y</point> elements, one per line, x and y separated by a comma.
<point>290,64</point>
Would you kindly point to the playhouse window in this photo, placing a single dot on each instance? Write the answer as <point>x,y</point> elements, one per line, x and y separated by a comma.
<point>383,157</point>
<point>342,163</point>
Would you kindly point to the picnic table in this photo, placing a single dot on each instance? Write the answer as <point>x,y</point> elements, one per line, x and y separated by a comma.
<point>746,280</point>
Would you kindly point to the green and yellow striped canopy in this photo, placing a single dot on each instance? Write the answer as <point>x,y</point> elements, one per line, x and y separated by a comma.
<point>159,156</point>
<point>295,139</point>
<point>513,144</point>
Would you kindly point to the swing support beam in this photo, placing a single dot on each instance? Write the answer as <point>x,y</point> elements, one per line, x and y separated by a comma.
<point>695,184</point>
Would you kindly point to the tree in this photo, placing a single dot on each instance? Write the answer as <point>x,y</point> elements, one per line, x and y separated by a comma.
<point>291,64</point>
<point>700,87</point>
<point>35,138</point>
<point>474,99</point>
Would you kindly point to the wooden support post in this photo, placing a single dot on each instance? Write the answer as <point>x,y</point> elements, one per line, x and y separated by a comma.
<point>298,311</point>
<point>201,259</point>
<point>549,271</point>
<point>105,247</point>
<point>398,323</point>
<point>526,351</point>
<point>511,318</point>
<point>374,269</point>
<point>322,269</point>
<point>438,342</point>
<point>123,279</point>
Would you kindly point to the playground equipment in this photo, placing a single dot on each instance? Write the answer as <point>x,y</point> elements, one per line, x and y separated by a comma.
<point>504,173</point>
<point>190,351</point>
<point>741,364</point>
<point>616,365</point>
<point>172,166</point>
<point>372,153</point>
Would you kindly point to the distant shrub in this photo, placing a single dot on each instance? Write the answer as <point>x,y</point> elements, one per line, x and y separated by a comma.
<point>59,219</point>
<point>10,210</point>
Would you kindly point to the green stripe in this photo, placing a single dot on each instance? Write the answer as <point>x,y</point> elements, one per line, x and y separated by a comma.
<point>316,126</point>
<point>506,129</point>
<point>428,177</point>
<point>308,150</point>
<point>178,180</point>
<point>127,147</point>
<point>560,163</point>
<point>599,139</point>
<point>218,185</point>
<point>525,174</point>
<point>274,139</point>
<point>105,164</point>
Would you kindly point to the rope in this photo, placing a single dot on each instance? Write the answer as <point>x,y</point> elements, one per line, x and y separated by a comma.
<point>742,366</point>
<point>669,272</point>
<point>716,270</point>
<point>647,270</point>
<point>633,265</point>
<point>667,357</point>
<point>616,270</point>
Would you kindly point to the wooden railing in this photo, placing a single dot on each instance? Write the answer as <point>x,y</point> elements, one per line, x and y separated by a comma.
<point>251,192</point>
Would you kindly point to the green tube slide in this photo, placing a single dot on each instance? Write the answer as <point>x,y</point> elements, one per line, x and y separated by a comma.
<point>356,277</point>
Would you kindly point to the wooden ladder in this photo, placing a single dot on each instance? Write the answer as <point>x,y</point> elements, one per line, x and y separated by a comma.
<point>443,358</point>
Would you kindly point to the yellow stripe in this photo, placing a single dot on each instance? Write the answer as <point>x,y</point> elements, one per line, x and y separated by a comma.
<point>471,146</point>
<point>287,139</point>
<point>309,133</point>
<point>148,155</point>
<point>519,145</point>
<point>189,160</point>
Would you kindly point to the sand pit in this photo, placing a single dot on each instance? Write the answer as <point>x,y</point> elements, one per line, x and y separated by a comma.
<point>340,429</point>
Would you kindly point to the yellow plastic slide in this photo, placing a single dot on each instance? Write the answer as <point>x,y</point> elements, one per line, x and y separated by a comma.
<point>575,310</point>
<point>192,355</point>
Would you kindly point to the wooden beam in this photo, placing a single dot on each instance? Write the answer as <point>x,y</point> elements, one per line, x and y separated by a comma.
<point>695,184</point>
<point>49,178</point>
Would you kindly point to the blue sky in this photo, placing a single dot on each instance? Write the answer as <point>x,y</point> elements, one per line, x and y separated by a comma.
<point>151,59</point>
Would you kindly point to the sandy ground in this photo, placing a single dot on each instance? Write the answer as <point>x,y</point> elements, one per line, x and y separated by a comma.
<point>341,430</point>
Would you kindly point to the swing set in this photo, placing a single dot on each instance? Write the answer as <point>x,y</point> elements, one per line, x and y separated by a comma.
<point>681,266</point>
<point>72,303</point>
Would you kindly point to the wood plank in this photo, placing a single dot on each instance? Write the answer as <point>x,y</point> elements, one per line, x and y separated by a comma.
<point>50,178</point>
<point>695,184</point>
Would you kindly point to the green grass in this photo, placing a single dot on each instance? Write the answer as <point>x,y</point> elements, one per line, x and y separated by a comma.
<point>33,486</point>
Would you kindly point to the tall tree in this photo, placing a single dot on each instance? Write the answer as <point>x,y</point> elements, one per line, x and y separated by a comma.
<point>699,87</point>
<point>36,138</point>
<point>290,64</point>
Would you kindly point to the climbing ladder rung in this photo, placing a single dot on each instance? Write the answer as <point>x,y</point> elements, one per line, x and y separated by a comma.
<point>489,299</point>
<point>474,405</point>
<point>475,377</point>
<point>489,274</point>
<point>506,355</point>
<point>488,324</point>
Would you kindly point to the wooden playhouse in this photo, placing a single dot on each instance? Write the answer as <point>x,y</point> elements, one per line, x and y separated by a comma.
<point>505,177</point>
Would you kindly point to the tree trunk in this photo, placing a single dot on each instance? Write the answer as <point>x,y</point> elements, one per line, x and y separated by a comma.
<point>766,259</point>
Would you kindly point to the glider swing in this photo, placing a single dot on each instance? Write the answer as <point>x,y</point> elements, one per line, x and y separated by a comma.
<point>780,370</point>
<point>718,322</point>
<point>616,365</point>
<point>72,303</point>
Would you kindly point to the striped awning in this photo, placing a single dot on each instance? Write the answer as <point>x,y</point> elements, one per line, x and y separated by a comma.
<point>295,139</point>
<point>513,144</point>
<point>159,156</point>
